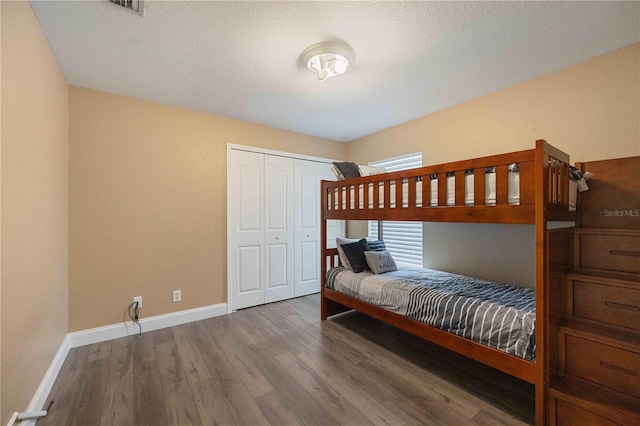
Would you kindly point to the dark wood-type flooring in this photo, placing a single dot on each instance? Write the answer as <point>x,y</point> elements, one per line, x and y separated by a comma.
<point>278,364</point>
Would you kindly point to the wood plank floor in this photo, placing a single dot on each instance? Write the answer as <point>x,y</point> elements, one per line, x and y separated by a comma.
<point>278,364</point>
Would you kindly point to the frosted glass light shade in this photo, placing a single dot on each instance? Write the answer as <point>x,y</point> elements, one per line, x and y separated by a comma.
<point>328,59</point>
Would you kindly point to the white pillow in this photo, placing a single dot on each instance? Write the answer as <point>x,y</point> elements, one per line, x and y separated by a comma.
<point>380,261</point>
<point>370,171</point>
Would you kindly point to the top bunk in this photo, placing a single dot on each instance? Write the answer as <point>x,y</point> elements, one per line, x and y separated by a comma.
<point>521,187</point>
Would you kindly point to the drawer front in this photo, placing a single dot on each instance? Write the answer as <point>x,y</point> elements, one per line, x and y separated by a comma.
<point>607,365</point>
<point>610,252</point>
<point>568,414</point>
<point>607,303</point>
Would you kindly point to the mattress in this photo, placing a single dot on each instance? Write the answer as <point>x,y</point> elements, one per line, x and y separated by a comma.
<point>496,315</point>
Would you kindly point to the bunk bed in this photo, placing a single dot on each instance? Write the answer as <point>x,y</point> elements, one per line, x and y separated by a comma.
<point>542,195</point>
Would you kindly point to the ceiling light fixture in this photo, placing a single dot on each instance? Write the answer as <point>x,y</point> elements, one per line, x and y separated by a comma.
<point>328,59</point>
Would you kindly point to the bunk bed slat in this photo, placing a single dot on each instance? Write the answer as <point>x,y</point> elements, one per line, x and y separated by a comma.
<point>356,196</point>
<point>347,196</point>
<point>564,190</point>
<point>376,196</point>
<point>527,183</point>
<point>553,184</point>
<point>479,197</point>
<point>460,188</point>
<point>426,191</point>
<point>365,195</point>
<point>387,195</point>
<point>502,184</point>
<point>411,193</point>
<point>442,189</point>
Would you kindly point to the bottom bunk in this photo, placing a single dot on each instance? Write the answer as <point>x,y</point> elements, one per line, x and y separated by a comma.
<point>491,323</point>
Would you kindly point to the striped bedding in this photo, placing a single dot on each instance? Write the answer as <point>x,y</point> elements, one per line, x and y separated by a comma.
<point>500,316</point>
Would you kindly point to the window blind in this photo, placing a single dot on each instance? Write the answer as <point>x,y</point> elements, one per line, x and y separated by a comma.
<point>403,239</point>
<point>136,6</point>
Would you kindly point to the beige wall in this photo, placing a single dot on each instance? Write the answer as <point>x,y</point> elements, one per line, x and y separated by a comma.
<point>148,203</point>
<point>34,197</point>
<point>590,110</point>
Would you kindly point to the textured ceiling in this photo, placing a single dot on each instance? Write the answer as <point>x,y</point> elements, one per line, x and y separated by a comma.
<point>242,59</point>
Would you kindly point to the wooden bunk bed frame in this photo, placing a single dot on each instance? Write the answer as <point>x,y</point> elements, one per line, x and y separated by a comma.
<point>544,197</point>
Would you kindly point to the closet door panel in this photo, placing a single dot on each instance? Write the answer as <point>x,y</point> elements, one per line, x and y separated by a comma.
<point>309,193</point>
<point>279,230</point>
<point>249,270</point>
<point>278,265</point>
<point>307,267</point>
<point>309,261</point>
<point>277,179</point>
<point>247,229</point>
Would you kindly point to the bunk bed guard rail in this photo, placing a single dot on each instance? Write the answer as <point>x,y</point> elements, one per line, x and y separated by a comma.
<point>473,195</point>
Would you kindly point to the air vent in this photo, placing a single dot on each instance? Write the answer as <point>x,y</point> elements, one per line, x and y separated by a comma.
<point>135,6</point>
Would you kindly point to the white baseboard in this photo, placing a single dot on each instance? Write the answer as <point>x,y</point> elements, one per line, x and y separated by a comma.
<point>40,397</point>
<point>115,331</point>
<point>101,334</point>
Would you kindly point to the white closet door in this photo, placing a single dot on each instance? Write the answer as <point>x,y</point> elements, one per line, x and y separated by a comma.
<point>274,227</point>
<point>246,173</point>
<point>308,246</point>
<point>279,228</point>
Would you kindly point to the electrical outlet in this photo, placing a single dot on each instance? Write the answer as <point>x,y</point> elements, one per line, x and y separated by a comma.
<point>177,296</point>
<point>139,300</point>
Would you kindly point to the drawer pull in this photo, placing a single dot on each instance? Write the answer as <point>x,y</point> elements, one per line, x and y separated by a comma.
<point>624,253</point>
<point>622,306</point>
<point>618,369</point>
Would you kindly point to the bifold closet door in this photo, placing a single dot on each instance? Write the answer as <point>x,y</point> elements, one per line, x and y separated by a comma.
<point>262,228</point>
<point>307,236</point>
<point>307,211</point>
<point>246,217</point>
<point>279,228</point>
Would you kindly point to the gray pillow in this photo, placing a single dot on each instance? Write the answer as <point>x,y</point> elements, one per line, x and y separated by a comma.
<point>347,170</point>
<point>380,261</point>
